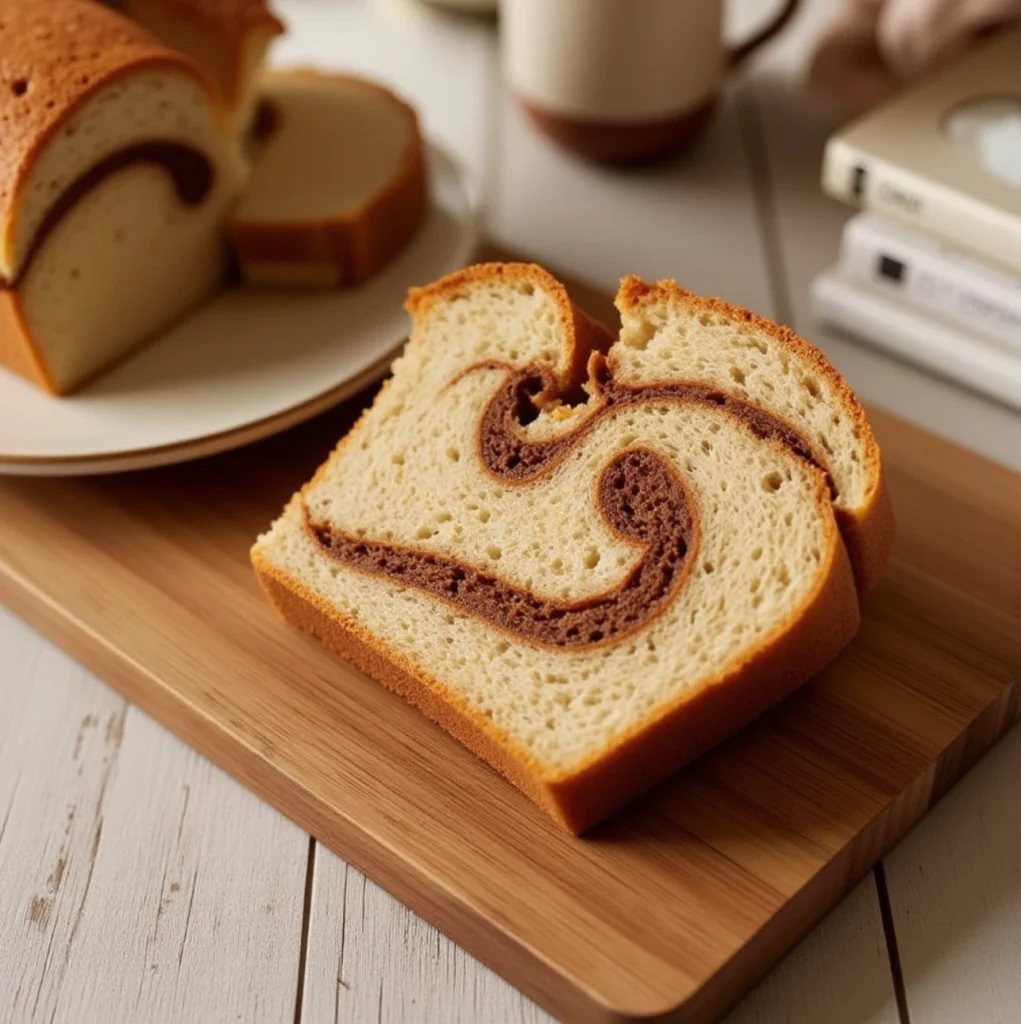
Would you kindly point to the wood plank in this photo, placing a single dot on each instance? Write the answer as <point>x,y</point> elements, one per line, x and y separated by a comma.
<point>840,974</point>
<point>955,897</point>
<point>130,891</point>
<point>145,578</point>
<point>373,961</point>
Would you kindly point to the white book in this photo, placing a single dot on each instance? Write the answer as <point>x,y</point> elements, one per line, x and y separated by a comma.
<point>942,348</point>
<point>944,157</point>
<point>937,280</point>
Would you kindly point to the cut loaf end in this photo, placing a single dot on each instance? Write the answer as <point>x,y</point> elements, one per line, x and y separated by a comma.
<point>116,186</point>
<point>588,559</point>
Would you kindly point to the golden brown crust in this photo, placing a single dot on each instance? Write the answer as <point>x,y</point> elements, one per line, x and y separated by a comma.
<point>357,243</point>
<point>229,25</point>
<point>53,57</point>
<point>869,534</point>
<point>869,530</point>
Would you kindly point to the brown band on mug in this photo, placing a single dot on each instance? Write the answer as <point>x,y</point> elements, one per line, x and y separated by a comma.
<point>189,169</point>
<point>623,142</point>
<point>640,496</point>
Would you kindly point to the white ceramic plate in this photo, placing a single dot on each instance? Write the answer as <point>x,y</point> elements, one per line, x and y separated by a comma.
<point>246,365</point>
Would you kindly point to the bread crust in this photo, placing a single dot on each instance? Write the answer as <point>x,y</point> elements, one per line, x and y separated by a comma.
<point>678,734</point>
<point>671,736</point>
<point>355,244</point>
<point>869,534</point>
<point>353,643</point>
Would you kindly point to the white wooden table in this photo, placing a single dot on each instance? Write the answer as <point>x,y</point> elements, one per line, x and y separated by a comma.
<point>139,883</point>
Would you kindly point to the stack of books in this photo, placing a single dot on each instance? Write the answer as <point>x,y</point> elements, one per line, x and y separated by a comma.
<point>931,271</point>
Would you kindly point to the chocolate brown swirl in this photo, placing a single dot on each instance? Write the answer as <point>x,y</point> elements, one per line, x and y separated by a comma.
<point>639,493</point>
<point>643,500</point>
<point>189,169</point>
<point>509,455</point>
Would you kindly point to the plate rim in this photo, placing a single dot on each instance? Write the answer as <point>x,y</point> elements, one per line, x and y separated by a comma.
<point>207,445</point>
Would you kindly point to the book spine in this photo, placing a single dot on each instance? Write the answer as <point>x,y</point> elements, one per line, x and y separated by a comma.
<point>934,280</point>
<point>941,348</point>
<point>856,177</point>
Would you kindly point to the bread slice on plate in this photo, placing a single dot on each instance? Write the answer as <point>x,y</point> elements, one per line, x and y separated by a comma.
<point>590,559</point>
<point>116,174</point>
<point>338,187</point>
<point>229,38</point>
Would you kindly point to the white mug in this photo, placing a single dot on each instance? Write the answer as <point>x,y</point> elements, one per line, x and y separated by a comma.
<point>621,80</point>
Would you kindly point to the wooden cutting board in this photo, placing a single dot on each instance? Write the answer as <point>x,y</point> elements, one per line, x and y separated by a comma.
<point>674,908</point>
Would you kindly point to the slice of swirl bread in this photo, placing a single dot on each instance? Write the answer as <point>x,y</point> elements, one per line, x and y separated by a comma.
<point>339,184</point>
<point>116,176</point>
<point>589,559</point>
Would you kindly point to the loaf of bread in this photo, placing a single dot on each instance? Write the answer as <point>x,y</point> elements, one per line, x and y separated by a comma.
<point>229,38</point>
<point>116,175</point>
<point>339,184</point>
<point>590,559</point>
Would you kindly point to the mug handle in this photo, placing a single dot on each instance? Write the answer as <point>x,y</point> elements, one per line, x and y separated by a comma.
<point>739,54</point>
